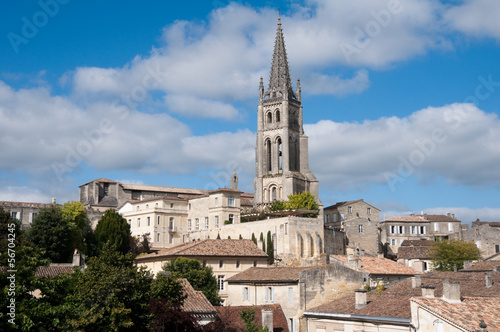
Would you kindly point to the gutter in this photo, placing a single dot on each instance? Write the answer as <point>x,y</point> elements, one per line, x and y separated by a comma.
<point>399,321</point>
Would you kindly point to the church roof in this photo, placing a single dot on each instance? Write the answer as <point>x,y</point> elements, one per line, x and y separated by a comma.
<point>280,72</point>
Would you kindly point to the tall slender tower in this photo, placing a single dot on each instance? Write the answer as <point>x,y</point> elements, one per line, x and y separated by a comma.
<point>281,151</point>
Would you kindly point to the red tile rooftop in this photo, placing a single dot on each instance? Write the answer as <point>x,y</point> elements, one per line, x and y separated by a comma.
<point>377,265</point>
<point>196,301</point>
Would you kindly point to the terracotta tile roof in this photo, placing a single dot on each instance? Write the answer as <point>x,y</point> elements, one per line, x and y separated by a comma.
<point>53,271</point>
<point>483,266</point>
<point>195,302</point>
<point>339,204</point>
<point>466,314</point>
<point>269,274</point>
<point>415,252</point>
<point>231,316</point>
<point>489,223</point>
<point>420,243</point>
<point>209,247</point>
<point>377,265</point>
<point>395,300</point>
<point>423,218</point>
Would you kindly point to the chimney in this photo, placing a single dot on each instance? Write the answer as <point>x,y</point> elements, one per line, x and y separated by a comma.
<point>449,214</point>
<point>451,291</point>
<point>78,259</point>
<point>416,282</point>
<point>489,280</point>
<point>427,290</point>
<point>425,216</point>
<point>53,201</point>
<point>412,214</point>
<point>496,268</point>
<point>360,298</point>
<point>267,319</point>
<point>352,262</point>
<point>453,215</point>
<point>468,264</point>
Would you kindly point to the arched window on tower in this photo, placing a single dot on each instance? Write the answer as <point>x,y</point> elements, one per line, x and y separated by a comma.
<point>277,115</point>
<point>274,194</point>
<point>280,155</point>
<point>269,117</point>
<point>269,155</point>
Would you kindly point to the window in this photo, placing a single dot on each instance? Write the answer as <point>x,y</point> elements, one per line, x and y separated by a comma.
<point>237,264</point>
<point>497,248</point>
<point>137,208</point>
<point>13,215</point>
<point>157,237</point>
<point>292,325</point>
<point>245,294</point>
<point>138,222</point>
<point>436,227</point>
<point>171,205</point>
<point>171,224</point>
<point>360,228</point>
<point>216,201</point>
<point>450,227</point>
<point>290,295</point>
<point>401,229</point>
<point>221,264</point>
<point>230,201</point>
<point>394,242</point>
<point>220,282</point>
<point>197,224</point>
<point>368,210</point>
<point>189,206</point>
<point>269,117</point>
<point>170,238</point>
<point>413,229</point>
<point>327,218</point>
<point>392,230</point>
<point>335,217</point>
<point>206,223</point>
<point>269,294</point>
<point>341,216</point>
<point>421,229</point>
<point>158,220</point>
<point>277,116</point>
<point>231,217</point>
<point>349,209</point>
<point>216,222</point>
<point>149,221</point>
<point>254,263</point>
<point>189,225</point>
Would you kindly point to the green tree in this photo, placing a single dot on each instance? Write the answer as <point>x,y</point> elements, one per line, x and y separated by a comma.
<point>448,254</point>
<point>254,239</point>
<point>302,201</point>
<point>270,248</point>
<point>248,317</point>
<point>201,278</point>
<point>10,231</point>
<point>113,228</point>
<point>263,243</point>
<point>112,294</point>
<point>278,206</point>
<point>49,232</point>
<point>81,230</point>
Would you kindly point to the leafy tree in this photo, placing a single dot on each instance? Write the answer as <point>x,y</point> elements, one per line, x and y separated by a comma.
<point>81,230</point>
<point>112,294</point>
<point>248,317</point>
<point>201,278</point>
<point>10,231</point>
<point>49,232</point>
<point>270,248</point>
<point>113,228</point>
<point>278,206</point>
<point>448,254</point>
<point>302,201</point>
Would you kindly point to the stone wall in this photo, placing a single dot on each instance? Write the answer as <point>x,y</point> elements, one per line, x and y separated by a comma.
<point>486,238</point>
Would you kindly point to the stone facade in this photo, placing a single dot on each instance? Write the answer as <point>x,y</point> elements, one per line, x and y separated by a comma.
<point>24,212</point>
<point>281,151</point>
<point>363,236</point>
<point>486,238</point>
<point>336,215</point>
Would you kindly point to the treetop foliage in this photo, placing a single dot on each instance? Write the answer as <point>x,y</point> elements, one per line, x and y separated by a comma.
<point>113,228</point>
<point>448,254</point>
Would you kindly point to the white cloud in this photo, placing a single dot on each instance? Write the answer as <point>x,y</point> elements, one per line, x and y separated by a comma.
<point>477,18</point>
<point>191,105</point>
<point>457,142</point>
<point>465,215</point>
<point>23,194</point>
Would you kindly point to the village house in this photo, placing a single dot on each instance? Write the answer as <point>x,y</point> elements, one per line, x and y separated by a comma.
<point>486,236</point>
<point>295,288</point>
<point>225,257</point>
<point>24,212</point>
<point>336,215</point>
<point>416,254</point>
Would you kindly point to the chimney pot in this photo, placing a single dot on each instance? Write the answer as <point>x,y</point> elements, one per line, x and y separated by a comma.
<point>428,290</point>
<point>267,319</point>
<point>360,298</point>
<point>451,291</point>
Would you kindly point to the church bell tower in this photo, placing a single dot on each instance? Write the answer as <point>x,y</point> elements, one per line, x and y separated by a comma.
<point>281,152</point>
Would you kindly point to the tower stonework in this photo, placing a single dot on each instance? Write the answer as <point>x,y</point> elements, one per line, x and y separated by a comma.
<point>281,151</point>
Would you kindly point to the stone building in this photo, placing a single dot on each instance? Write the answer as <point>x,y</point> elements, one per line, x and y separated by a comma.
<point>486,236</point>
<point>416,254</point>
<point>24,212</point>
<point>416,227</point>
<point>336,215</point>
<point>281,150</point>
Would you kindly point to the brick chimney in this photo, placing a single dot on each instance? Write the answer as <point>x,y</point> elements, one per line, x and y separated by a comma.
<point>428,290</point>
<point>267,319</point>
<point>360,298</point>
<point>451,291</point>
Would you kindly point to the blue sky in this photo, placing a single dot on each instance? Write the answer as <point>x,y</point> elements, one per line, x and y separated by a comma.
<point>401,98</point>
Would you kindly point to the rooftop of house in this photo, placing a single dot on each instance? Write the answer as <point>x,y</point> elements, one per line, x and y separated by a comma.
<point>418,243</point>
<point>488,223</point>
<point>423,218</point>
<point>340,204</point>
<point>378,265</point>
<point>420,252</point>
<point>195,302</point>
<point>54,270</point>
<point>9,204</point>
<point>269,274</point>
<point>394,302</point>
<point>482,266</point>
<point>466,314</point>
<point>204,248</point>
<point>231,316</point>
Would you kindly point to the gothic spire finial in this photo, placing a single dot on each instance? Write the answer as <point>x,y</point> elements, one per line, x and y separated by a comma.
<point>280,72</point>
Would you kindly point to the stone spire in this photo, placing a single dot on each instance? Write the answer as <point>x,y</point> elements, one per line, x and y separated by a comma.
<point>280,72</point>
